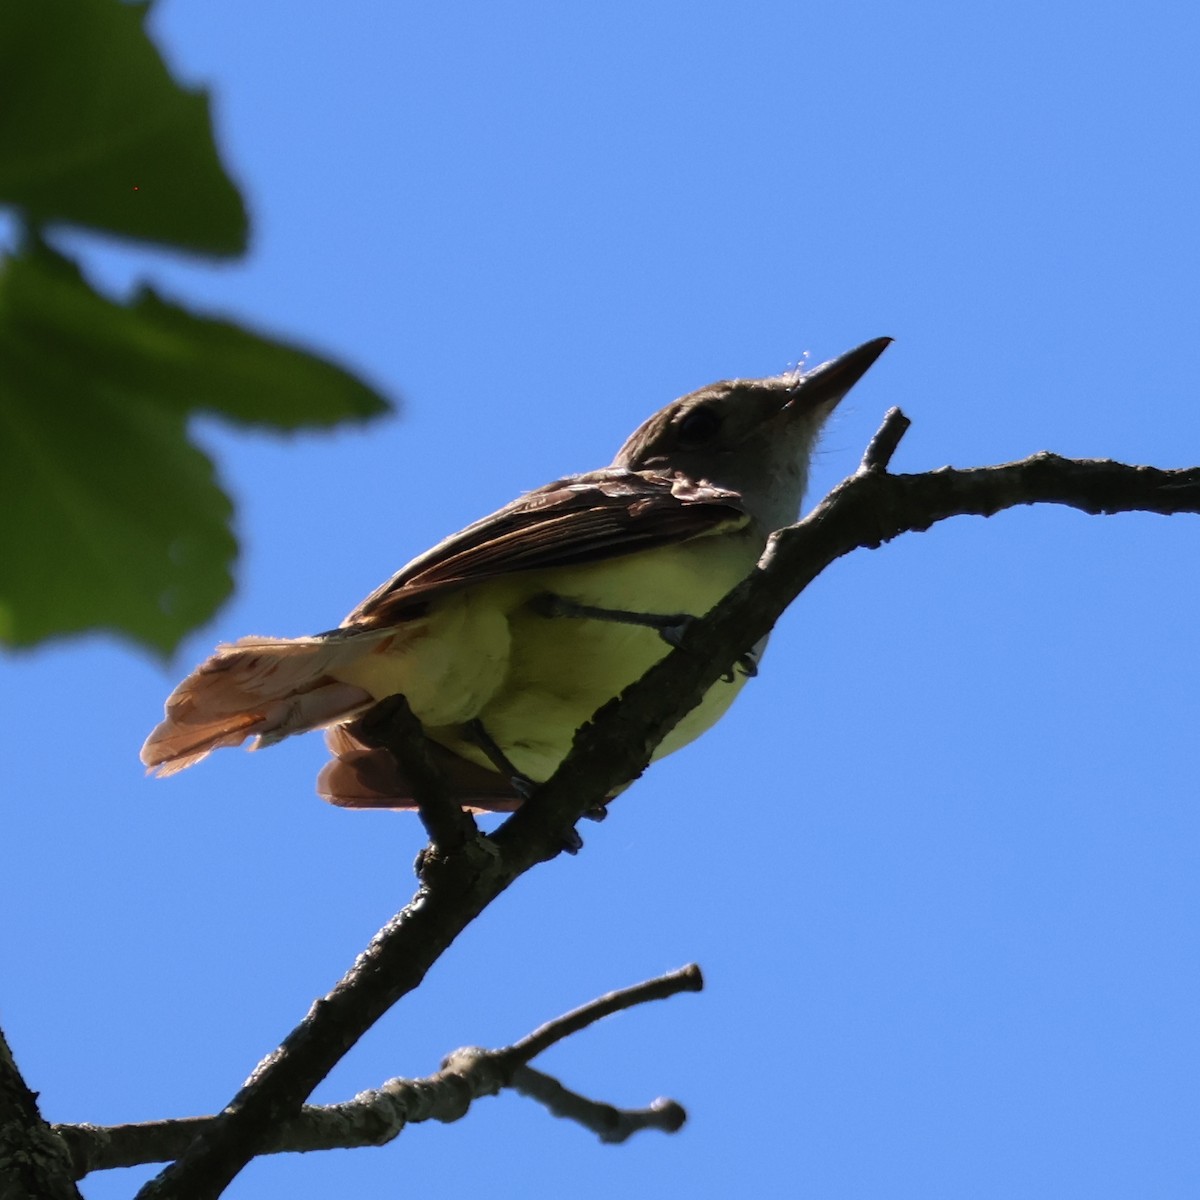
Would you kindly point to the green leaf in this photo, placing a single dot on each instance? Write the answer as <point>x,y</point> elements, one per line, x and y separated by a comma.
<point>94,131</point>
<point>109,517</point>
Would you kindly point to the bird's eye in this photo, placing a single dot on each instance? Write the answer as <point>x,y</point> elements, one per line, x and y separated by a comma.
<point>699,425</point>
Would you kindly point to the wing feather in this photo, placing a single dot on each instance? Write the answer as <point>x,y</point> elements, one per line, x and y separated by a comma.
<point>579,519</point>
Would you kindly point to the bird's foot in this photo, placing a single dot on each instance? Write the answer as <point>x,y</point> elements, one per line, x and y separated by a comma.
<point>478,736</point>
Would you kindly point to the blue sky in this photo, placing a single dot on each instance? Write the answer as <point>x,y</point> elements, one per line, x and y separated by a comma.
<point>940,863</point>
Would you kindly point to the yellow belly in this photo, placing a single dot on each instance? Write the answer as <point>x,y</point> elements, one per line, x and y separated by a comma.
<point>562,669</point>
<point>449,664</point>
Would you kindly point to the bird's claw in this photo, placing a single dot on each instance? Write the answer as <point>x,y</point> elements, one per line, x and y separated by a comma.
<point>746,663</point>
<point>674,629</point>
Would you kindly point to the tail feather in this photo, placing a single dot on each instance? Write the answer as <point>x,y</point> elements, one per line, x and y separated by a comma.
<point>269,687</point>
<point>362,776</point>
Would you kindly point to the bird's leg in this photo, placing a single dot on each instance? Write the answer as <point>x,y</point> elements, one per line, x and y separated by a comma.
<point>477,734</point>
<point>671,627</point>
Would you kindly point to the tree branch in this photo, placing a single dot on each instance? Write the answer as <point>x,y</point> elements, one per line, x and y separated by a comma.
<point>34,1163</point>
<point>609,1124</point>
<point>392,725</point>
<point>686,979</point>
<point>867,509</point>
<point>374,1118</point>
<point>878,455</point>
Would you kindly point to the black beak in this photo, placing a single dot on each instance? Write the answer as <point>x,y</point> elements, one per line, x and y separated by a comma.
<point>826,384</point>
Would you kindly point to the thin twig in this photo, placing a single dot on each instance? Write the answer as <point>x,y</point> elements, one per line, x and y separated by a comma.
<point>375,1117</point>
<point>686,979</point>
<point>608,1123</point>
<point>878,455</point>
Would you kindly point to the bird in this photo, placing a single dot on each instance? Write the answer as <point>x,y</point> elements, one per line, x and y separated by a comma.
<point>507,636</point>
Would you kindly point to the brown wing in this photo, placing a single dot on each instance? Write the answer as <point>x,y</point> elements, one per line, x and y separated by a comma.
<point>583,518</point>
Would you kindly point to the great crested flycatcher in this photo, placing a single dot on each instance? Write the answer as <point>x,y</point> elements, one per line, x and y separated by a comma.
<point>507,636</point>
